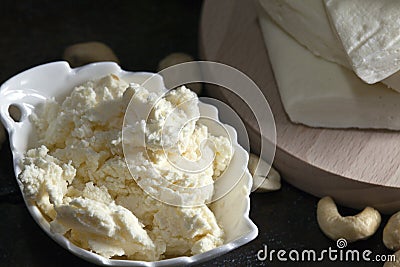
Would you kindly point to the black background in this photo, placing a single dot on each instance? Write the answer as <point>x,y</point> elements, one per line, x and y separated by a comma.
<point>141,33</point>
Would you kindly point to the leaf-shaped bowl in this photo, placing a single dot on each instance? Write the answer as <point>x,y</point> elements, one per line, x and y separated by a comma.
<point>32,87</point>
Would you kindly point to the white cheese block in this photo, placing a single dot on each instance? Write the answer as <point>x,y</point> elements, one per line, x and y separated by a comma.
<point>370,33</point>
<point>308,22</point>
<point>319,93</point>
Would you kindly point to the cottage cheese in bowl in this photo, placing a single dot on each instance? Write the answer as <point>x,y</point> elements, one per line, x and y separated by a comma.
<point>98,190</point>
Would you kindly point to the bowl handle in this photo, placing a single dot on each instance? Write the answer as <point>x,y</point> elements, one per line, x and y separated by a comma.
<point>24,101</point>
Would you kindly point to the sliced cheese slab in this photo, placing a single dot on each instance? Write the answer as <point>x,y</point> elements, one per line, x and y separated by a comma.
<point>319,93</point>
<point>309,24</point>
<point>370,33</point>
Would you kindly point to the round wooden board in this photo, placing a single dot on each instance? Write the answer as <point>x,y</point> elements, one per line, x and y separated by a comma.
<point>357,168</point>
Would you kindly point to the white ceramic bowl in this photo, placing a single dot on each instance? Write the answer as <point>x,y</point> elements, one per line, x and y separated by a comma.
<point>29,88</point>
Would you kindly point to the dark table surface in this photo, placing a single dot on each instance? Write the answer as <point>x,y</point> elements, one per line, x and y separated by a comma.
<point>141,33</point>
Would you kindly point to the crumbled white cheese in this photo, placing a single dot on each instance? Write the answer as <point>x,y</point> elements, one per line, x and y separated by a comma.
<point>79,176</point>
<point>107,229</point>
<point>158,167</point>
<point>45,179</point>
<point>185,229</point>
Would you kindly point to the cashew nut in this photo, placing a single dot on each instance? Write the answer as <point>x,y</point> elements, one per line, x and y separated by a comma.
<point>395,263</point>
<point>261,183</point>
<point>391,232</point>
<point>84,53</point>
<point>177,58</point>
<point>352,228</point>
